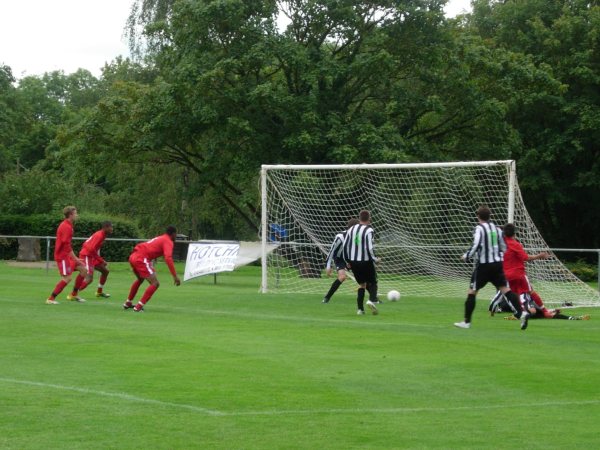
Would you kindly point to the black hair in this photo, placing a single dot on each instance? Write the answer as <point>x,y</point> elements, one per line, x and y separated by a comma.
<point>509,230</point>
<point>484,213</point>
<point>171,230</point>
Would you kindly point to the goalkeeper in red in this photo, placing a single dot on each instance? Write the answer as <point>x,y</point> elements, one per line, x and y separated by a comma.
<point>515,258</point>
<point>90,256</point>
<point>141,262</point>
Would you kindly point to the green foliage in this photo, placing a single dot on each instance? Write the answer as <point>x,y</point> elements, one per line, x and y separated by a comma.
<point>42,191</point>
<point>232,92</point>
<point>32,192</point>
<point>558,161</point>
<point>46,224</point>
<point>584,270</point>
<point>8,118</point>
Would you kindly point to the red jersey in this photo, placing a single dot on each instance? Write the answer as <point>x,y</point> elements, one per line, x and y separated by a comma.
<point>514,259</point>
<point>159,246</point>
<point>91,247</point>
<point>64,235</point>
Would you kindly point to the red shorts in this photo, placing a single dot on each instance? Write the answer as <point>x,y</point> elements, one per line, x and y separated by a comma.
<point>519,285</point>
<point>141,265</point>
<point>66,266</point>
<point>90,262</point>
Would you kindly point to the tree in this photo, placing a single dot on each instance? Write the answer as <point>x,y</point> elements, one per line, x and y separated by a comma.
<point>233,91</point>
<point>560,157</point>
<point>8,118</point>
<point>225,90</point>
<point>221,89</point>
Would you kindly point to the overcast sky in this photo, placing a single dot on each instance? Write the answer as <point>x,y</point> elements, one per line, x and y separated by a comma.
<point>38,36</point>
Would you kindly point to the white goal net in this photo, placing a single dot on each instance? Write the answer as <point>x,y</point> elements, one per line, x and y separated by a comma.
<point>423,216</point>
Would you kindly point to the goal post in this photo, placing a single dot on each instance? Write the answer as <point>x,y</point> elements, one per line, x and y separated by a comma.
<point>423,216</point>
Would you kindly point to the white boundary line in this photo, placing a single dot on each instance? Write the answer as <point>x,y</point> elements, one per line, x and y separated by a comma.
<point>119,395</point>
<point>288,412</point>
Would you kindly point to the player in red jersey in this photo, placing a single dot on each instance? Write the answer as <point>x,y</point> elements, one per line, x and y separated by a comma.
<point>64,256</point>
<point>141,263</point>
<point>90,257</point>
<point>515,258</point>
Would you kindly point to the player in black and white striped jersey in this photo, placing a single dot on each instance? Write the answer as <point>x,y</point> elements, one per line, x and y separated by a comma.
<point>359,253</point>
<point>336,257</point>
<point>487,252</point>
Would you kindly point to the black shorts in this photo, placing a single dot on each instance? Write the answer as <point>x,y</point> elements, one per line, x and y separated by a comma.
<point>340,263</point>
<point>488,273</point>
<point>364,271</point>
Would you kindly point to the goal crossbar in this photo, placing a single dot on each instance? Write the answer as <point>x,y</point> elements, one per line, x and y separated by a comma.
<point>386,166</point>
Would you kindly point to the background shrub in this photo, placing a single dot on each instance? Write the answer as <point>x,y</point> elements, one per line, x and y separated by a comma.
<point>46,224</point>
<point>583,270</point>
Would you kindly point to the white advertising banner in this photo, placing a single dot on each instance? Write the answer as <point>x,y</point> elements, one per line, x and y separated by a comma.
<point>204,258</point>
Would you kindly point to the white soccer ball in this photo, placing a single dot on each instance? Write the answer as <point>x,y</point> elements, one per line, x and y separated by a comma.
<point>393,296</point>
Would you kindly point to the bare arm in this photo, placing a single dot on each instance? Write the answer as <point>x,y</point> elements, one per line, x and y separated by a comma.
<point>542,255</point>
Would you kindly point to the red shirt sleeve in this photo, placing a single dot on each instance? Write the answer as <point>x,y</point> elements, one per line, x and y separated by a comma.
<point>168,254</point>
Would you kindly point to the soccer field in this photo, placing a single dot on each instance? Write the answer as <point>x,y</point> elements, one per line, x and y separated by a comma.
<point>222,366</point>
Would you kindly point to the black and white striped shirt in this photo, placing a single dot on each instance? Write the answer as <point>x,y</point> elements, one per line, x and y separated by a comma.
<point>336,250</point>
<point>358,244</point>
<point>488,244</point>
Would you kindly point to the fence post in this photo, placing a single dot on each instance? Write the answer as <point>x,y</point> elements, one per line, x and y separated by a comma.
<point>47,254</point>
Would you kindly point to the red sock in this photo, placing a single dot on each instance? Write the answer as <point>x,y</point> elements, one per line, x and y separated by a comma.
<point>134,288</point>
<point>148,293</point>
<point>77,285</point>
<point>536,298</point>
<point>83,285</point>
<point>78,281</point>
<point>58,289</point>
<point>101,283</point>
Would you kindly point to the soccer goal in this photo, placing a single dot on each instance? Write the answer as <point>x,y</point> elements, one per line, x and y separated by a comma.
<point>423,216</point>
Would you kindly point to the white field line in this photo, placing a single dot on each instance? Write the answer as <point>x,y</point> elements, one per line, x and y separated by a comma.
<point>288,412</point>
<point>118,395</point>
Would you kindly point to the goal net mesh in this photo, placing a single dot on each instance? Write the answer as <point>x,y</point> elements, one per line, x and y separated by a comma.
<point>423,217</point>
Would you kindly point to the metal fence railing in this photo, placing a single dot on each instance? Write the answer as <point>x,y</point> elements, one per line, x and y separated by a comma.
<point>49,239</point>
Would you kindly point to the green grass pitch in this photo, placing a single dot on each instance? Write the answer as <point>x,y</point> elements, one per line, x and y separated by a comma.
<point>224,367</point>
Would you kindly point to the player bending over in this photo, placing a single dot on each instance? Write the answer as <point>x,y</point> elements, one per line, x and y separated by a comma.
<point>141,263</point>
<point>336,256</point>
<point>90,256</point>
